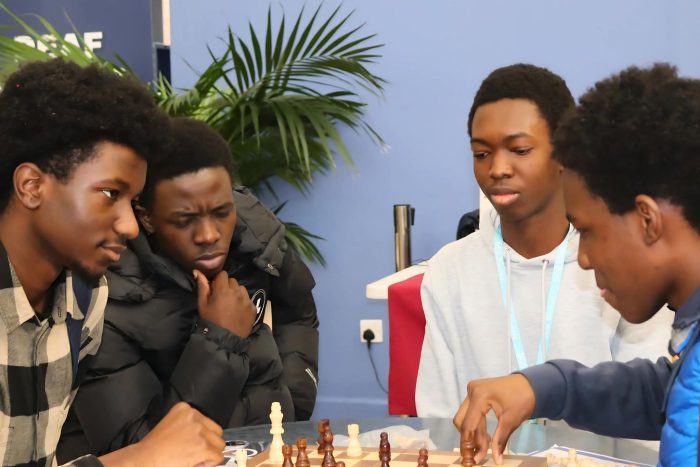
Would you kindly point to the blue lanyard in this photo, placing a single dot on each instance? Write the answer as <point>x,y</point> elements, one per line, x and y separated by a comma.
<point>552,295</point>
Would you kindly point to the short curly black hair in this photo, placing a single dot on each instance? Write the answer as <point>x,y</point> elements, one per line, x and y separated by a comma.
<point>53,113</point>
<point>637,132</point>
<point>194,145</point>
<point>548,91</point>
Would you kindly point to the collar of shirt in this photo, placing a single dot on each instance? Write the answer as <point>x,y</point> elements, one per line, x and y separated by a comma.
<point>15,308</point>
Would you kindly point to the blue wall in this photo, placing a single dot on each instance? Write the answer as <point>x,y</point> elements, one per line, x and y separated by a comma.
<point>436,54</point>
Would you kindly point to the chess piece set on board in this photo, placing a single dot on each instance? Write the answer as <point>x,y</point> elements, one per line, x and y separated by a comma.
<point>326,455</point>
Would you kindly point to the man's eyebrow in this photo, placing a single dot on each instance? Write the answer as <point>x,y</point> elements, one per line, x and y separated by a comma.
<point>123,184</point>
<point>507,139</point>
<point>522,134</point>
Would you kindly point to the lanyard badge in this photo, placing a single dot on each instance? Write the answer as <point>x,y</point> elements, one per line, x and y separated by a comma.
<point>553,293</point>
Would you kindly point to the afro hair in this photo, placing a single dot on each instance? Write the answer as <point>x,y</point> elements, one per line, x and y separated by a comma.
<point>194,145</point>
<point>545,89</point>
<point>637,132</point>
<point>53,113</point>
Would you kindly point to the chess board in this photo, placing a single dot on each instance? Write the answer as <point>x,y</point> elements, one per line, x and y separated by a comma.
<point>399,458</point>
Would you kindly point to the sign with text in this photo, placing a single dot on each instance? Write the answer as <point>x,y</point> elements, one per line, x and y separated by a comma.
<point>109,27</point>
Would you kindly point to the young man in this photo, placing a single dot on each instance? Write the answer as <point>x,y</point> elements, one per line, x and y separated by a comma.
<point>173,336</point>
<point>75,143</point>
<point>630,152</point>
<point>511,294</point>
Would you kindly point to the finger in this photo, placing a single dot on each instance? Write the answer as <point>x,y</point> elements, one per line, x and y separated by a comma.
<point>233,283</point>
<point>461,413</point>
<point>220,281</point>
<point>482,442</point>
<point>203,290</point>
<point>216,446</point>
<point>504,429</point>
<point>209,424</point>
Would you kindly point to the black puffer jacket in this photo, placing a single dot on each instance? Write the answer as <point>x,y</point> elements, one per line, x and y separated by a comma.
<point>155,352</point>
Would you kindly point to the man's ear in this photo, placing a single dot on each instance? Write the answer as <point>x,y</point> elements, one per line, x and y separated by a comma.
<point>650,218</point>
<point>29,183</point>
<point>144,217</point>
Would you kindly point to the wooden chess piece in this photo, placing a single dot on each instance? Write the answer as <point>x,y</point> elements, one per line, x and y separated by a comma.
<point>322,426</point>
<point>287,455</point>
<point>302,456</point>
<point>354,447</point>
<point>468,449</point>
<point>384,446</point>
<point>276,430</point>
<point>241,458</point>
<point>423,457</point>
<point>384,457</point>
<point>328,459</point>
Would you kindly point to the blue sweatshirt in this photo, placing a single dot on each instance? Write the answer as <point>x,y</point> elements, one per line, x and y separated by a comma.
<point>630,399</point>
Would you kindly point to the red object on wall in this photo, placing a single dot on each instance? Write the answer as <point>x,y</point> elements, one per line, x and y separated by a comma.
<point>406,331</point>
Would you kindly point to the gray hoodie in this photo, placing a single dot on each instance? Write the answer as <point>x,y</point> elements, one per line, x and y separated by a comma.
<point>467,327</point>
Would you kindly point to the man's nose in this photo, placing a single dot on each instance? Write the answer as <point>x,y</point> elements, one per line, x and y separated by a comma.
<point>207,233</point>
<point>126,224</point>
<point>500,165</point>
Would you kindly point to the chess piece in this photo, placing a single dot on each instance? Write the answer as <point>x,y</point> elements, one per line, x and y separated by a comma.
<point>276,431</point>
<point>384,457</point>
<point>322,426</point>
<point>302,456</point>
<point>328,459</point>
<point>423,457</point>
<point>354,447</point>
<point>241,458</point>
<point>384,446</point>
<point>467,450</point>
<point>287,454</point>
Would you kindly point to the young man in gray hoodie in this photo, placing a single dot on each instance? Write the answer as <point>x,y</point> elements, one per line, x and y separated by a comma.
<point>511,295</point>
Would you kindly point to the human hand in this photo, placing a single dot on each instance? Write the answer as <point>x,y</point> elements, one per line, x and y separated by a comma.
<point>225,303</point>
<point>512,400</point>
<point>184,438</point>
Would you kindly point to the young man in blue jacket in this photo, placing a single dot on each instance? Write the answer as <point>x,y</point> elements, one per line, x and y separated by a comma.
<point>631,152</point>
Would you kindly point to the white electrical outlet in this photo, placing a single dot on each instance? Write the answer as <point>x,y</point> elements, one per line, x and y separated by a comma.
<point>376,326</point>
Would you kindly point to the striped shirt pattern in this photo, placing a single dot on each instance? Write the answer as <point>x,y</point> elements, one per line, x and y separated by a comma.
<point>36,373</point>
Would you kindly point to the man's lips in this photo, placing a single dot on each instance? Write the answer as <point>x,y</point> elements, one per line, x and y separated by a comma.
<point>503,197</point>
<point>114,252</point>
<point>210,261</point>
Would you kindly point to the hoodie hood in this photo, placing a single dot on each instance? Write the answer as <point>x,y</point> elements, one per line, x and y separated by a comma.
<point>490,220</point>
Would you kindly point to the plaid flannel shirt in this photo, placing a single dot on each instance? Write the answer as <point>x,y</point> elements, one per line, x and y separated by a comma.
<point>37,383</point>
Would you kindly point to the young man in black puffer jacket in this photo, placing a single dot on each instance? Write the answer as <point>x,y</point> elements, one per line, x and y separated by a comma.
<point>208,305</point>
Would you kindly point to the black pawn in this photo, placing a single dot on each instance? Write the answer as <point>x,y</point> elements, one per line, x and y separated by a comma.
<point>287,454</point>
<point>384,446</point>
<point>423,457</point>
<point>467,450</point>
<point>328,459</point>
<point>302,456</point>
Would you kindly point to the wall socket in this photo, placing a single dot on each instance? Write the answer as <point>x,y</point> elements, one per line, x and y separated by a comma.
<point>376,326</point>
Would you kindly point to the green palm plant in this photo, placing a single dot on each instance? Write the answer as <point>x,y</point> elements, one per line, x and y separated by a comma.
<point>277,98</point>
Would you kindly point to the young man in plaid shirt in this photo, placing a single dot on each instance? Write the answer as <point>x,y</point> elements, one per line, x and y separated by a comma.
<point>75,144</point>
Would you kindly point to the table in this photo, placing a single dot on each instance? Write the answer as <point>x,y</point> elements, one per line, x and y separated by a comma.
<point>528,438</point>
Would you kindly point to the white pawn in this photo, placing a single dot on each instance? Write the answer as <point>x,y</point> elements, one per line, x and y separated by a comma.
<point>276,431</point>
<point>241,458</point>
<point>354,448</point>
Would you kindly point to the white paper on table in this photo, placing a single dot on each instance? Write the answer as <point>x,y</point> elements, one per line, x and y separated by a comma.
<point>563,451</point>
<point>400,437</point>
